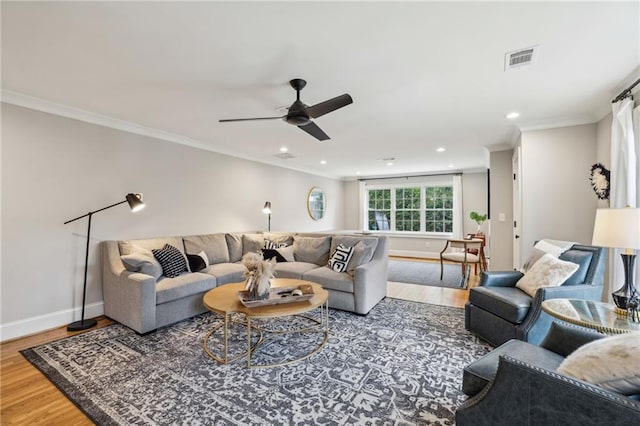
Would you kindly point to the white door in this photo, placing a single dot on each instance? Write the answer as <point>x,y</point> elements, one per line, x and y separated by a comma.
<point>517,209</point>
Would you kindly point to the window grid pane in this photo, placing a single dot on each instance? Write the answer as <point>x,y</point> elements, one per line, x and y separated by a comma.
<point>439,209</point>
<point>379,209</point>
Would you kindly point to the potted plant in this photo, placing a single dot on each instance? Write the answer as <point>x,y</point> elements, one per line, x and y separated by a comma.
<point>478,218</point>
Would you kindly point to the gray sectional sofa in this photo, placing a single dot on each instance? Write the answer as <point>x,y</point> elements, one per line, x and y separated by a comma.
<point>138,295</point>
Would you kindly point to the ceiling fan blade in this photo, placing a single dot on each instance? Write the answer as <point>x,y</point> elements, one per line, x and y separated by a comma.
<point>315,131</point>
<point>249,119</point>
<point>325,107</point>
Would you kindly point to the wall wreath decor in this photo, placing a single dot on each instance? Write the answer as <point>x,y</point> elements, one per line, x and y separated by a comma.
<point>600,180</point>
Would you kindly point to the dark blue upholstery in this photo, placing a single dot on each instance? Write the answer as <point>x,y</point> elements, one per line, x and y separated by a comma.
<point>498,311</point>
<point>516,384</point>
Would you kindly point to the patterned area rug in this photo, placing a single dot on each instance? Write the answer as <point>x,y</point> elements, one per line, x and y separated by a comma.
<point>399,365</point>
<point>426,273</point>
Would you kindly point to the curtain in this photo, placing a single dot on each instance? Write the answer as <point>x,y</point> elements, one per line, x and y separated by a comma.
<point>625,174</point>
<point>458,223</point>
<point>623,156</point>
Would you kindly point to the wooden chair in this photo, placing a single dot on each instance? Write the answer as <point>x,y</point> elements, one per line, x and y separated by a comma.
<point>482,237</point>
<point>459,251</point>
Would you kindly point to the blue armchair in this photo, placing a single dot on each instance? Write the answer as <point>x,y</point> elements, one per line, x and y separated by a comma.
<point>517,384</point>
<point>498,311</point>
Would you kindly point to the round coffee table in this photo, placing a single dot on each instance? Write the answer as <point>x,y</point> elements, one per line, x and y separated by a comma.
<point>599,316</point>
<point>224,300</point>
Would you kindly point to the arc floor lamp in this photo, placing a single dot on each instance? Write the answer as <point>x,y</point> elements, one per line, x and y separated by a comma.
<point>136,204</point>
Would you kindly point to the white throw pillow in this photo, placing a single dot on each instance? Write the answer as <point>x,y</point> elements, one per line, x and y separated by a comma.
<point>287,253</point>
<point>556,248</point>
<point>612,363</point>
<point>546,272</point>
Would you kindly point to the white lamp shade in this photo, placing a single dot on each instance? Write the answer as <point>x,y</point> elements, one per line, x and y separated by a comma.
<point>618,228</point>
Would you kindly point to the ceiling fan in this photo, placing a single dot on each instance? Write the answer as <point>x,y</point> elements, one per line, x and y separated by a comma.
<point>300,114</point>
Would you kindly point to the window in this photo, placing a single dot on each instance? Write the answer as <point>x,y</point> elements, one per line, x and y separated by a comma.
<point>379,209</point>
<point>408,209</point>
<point>438,210</point>
<point>419,207</point>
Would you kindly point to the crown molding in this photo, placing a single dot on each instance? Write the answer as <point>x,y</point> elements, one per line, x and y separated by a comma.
<point>42,105</point>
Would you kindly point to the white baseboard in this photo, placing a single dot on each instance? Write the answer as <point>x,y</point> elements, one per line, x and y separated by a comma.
<point>418,254</point>
<point>28,326</point>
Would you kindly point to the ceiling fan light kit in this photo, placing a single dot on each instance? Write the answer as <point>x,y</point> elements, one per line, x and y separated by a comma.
<point>301,115</point>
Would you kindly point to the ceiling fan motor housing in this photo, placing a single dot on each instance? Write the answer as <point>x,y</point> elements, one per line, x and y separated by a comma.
<point>297,114</point>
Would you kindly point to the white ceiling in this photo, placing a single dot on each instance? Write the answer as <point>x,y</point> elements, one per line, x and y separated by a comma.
<point>422,74</point>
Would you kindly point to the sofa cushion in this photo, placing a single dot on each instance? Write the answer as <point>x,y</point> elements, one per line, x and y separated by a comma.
<point>126,247</point>
<point>611,362</point>
<point>362,253</point>
<point>141,260</point>
<point>546,272</point>
<point>173,262</point>
<point>227,272</point>
<point>293,269</point>
<point>311,249</point>
<point>234,243</point>
<point>582,258</point>
<point>252,243</point>
<point>364,247</point>
<point>508,303</point>
<point>479,373</point>
<point>330,279</point>
<point>214,245</point>
<point>168,289</point>
<point>279,238</point>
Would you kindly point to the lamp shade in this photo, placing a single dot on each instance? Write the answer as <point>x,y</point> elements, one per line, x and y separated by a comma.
<point>267,208</point>
<point>135,202</point>
<point>618,228</point>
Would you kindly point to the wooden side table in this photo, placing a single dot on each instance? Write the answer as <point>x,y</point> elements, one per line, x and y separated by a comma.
<point>599,316</point>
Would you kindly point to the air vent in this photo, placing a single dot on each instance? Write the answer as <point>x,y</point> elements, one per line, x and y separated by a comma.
<point>520,58</point>
<point>284,156</point>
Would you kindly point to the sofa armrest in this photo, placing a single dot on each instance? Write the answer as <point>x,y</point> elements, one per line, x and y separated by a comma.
<point>129,297</point>
<point>564,339</point>
<point>525,394</point>
<point>370,279</point>
<point>579,291</point>
<point>500,278</point>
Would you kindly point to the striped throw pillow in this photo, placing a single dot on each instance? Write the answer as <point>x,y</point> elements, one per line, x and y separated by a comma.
<point>172,261</point>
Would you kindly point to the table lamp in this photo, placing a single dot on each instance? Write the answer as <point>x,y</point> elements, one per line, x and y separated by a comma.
<point>620,228</point>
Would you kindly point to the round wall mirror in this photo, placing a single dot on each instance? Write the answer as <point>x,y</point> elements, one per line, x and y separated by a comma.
<point>316,203</point>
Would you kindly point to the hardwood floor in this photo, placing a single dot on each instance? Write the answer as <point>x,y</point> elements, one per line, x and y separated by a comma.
<point>28,398</point>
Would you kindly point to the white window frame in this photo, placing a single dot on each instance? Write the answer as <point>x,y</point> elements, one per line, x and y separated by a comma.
<point>422,184</point>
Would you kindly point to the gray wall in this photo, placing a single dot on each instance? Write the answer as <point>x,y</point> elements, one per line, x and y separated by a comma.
<point>501,236</point>
<point>557,199</point>
<point>55,169</point>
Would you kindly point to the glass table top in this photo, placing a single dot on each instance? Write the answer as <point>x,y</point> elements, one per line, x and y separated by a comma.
<point>588,313</point>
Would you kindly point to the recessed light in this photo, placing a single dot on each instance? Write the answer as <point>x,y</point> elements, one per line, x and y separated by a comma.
<point>323,162</point>
<point>357,173</point>
<point>512,115</point>
<point>451,166</point>
<point>284,149</point>
<point>389,163</point>
<point>441,149</point>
